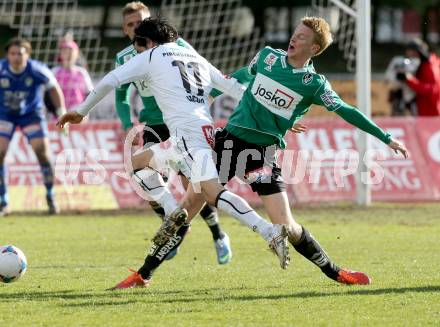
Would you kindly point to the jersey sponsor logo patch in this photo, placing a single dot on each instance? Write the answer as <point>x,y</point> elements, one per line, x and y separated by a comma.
<point>307,78</point>
<point>208,132</point>
<point>4,83</point>
<point>142,87</point>
<point>270,61</point>
<point>329,101</point>
<point>274,96</point>
<point>127,58</point>
<point>28,81</point>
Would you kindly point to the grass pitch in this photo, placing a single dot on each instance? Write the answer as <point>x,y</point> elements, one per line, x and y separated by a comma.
<point>73,259</point>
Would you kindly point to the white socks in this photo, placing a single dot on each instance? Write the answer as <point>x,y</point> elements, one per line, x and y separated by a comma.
<point>240,209</point>
<point>152,183</point>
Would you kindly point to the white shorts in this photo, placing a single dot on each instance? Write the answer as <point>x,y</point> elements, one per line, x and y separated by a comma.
<point>190,152</point>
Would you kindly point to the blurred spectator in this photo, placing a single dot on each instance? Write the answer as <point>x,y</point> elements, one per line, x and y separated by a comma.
<point>74,80</point>
<point>426,81</point>
<point>401,96</point>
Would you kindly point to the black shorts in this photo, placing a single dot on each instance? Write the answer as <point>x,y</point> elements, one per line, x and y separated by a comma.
<point>154,134</point>
<point>254,164</point>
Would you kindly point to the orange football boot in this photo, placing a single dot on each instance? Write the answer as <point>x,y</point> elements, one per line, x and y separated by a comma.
<point>132,281</point>
<point>350,277</point>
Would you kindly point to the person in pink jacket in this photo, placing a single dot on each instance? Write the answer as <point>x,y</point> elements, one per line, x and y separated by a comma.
<point>74,80</point>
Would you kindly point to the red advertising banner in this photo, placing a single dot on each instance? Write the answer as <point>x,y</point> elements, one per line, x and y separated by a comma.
<point>428,131</point>
<point>325,163</point>
<point>318,165</point>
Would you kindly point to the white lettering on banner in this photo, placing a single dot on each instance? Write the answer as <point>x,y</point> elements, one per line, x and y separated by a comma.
<point>67,164</point>
<point>375,174</point>
<point>399,178</point>
<point>344,138</point>
<point>326,182</point>
<point>328,164</point>
<point>274,96</point>
<point>319,165</point>
<point>314,139</point>
<point>107,140</point>
<point>318,156</point>
<point>347,169</point>
<point>20,152</point>
<point>294,173</point>
<point>83,140</point>
<point>434,146</point>
<point>99,174</point>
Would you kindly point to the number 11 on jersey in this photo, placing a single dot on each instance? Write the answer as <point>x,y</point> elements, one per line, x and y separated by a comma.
<point>183,70</point>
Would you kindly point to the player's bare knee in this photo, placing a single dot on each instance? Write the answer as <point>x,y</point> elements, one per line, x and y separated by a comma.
<point>295,231</point>
<point>209,196</point>
<point>210,190</point>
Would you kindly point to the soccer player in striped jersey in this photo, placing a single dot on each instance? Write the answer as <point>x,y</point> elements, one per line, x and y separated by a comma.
<point>155,129</point>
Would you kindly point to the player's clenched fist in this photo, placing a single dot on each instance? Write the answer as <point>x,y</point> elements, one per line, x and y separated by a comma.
<point>71,117</point>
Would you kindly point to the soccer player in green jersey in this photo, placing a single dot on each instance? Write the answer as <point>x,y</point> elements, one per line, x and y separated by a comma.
<point>155,129</point>
<point>283,87</point>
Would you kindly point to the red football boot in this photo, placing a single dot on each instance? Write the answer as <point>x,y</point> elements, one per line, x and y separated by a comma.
<point>350,277</point>
<point>132,281</point>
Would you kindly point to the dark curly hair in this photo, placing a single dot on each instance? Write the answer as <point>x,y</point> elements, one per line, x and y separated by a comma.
<point>155,29</point>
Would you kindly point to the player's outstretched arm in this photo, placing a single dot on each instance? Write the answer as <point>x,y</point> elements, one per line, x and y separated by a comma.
<point>325,96</point>
<point>227,85</point>
<point>358,119</point>
<point>242,76</point>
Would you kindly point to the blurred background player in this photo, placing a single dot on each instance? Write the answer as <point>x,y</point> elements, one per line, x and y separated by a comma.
<point>400,96</point>
<point>74,80</point>
<point>155,129</point>
<point>22,81</point>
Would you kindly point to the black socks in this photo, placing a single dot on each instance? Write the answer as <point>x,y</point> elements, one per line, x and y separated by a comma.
<point>210,216</point>
<point>158,253</point>
<point>157,208</point>
<point>310,249</point>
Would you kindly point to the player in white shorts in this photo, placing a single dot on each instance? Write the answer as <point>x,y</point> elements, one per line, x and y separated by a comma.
<point>180,80</point>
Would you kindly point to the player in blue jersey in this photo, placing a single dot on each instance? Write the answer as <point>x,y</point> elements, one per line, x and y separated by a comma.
<point>22,81</point>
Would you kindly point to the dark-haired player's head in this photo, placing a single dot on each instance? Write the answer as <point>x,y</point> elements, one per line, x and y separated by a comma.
<point>153,31</point>
<point>132,15</point>
<point>18,51</point>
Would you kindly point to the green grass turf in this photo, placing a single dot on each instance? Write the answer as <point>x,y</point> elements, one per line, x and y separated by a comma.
<point>73,259</point>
